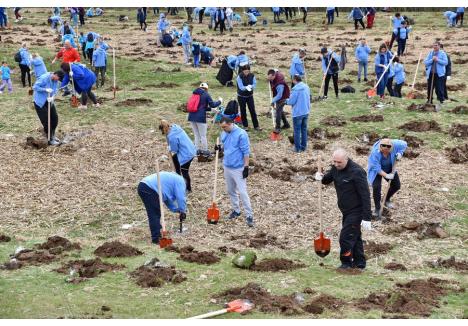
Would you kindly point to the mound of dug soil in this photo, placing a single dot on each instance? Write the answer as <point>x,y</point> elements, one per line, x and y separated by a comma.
<point>450,263</point>
<point>333,121</point>
<point>426,107</point>
<point>322,302</point>
<point>134,102</point>
<point>263,300</point>
<point>284,169</point>
<point>56,244</point>
<point>461,109</point>
<point>368,118</point>
<point>458,154</point>
<point>164,85</point>
<point>276,265</point>
<point>87,268</point>
<point>425,230</point>
<point>369,137</point>
<point>29,257</point>
<point>373,249</point>
<point>395,267</point>
<point>116,249</point>
<point>225,250</point>
<point>4,238</point>
<point>35,143</point>
<point>319,133</point>
<point>458,130</point>
<point>420,126</point>
<point>413,141</point>
<point>362,150</point>
<point>417,297</point>
<point>156,276</point>
<point>456,87</point>
<point>200,257</point>
<point>411,154</point>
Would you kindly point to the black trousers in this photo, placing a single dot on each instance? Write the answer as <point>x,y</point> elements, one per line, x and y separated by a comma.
<point>89,53</point>
<point>83,49</point>
<point>280,115</point>
<point>390,86</point>
<point>200,15</point>
<point>82,22</point>
<point>377,189</point>
<point>247,101</point>
<point>85,95</point>
<point>444,87</point>
<point>335,83</point>
<point>25,71</point>
<point>221,24</point>
<point>397,90</point>
<point>356,21</point>
<point>141,25</point>
<point>304,14</point>
<point>102,71</point>
<point>42,114</point>
<point>276,16</point>
<point>437,85</point>
<point>288,12</point>
<point>401,46</point>
<point>183,171</point>
<point>351,246</point>
<point>391,41</point>
<point>459,18</point>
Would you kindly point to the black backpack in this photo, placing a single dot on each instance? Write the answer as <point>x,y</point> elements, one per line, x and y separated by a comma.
<point>348,89</point>
<point>18,56</point>
<point>232,108</point>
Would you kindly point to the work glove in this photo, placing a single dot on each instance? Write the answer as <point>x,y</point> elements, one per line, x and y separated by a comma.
<point>366,225</point>
<point>318,176</point>
<point>183,216</point>
<point>70,73</point>
<point>48,90</point>
<point>50,99</point>
<point>390,176</point>
<point>449,77</point>
<point>398,156</point>
<point>218,148</point>
<point>245,173</point>
<point>220,99</point>
<point>249,88</point>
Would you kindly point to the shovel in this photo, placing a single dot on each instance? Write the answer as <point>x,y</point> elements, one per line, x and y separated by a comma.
<point>321,244</point>
<point>382,201</point>
<point>212,215</point>
<point>319,98</point>
<point>48,120</point>
<point>239,305</point>
<point>73,99</point>
<point>165,240</point>
<point>114,89</point>
<point>273,135</point>
<point>373,91</point>
<point>411,95</point>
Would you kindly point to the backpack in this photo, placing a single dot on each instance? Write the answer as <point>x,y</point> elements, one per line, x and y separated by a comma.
<point>232,108</point>
<point>193,103</point>
<point>18,56</point>
<point>348,89</point>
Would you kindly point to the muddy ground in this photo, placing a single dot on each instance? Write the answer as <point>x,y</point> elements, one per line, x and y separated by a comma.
<point>117,249</point>
<point>80,270</point>
<point>155,274</point>
<point>276,265</point>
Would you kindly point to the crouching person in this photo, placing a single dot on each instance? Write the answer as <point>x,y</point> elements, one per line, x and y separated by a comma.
<point>82,79</point>
<point>173,196</point>
<point>183,148</point>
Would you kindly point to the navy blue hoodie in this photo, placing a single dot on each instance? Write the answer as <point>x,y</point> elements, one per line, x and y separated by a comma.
<point>206,103</point>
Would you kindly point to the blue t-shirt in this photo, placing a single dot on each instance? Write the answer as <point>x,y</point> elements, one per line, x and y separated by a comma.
<point>386,164</point>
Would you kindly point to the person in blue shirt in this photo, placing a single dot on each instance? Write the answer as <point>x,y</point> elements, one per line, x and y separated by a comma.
<point>207,54</point>
<point>3,18</point>
<point>161,27</point>
<point>141,18</point>
<point>451,18</point>
<point>236,149</point>
<point>45,88</point>
<point>83,80</point>
<point>246,84</point>
<point>54,22</point>
<point>90,12</point>
<point>385,152</point>
<point>196,54</point>
<point>242,59</point>
<point>38,65</point>
<point>99,64</point>
<point>181,149</point>
<point>330,15</point>
<point>220,17</point>
<point>399,70</point>
<point>401,36</point>
<point>232,61</point>
<point>362,56</point>
<point>357,15</point>
<point>448,73</point>
<point>66,29</point>
<point>251,19</point>
<point>82,41</point>
<point>6,78</point>
<point>25,64</point>
<point>297,64</point>
<point>460,14</point>
<point>173,196</point>
<point>381,61</point>
<point>390,76</point>
<point>99,12</point>
<point>435,62</point>
<point>397,21</point>
<point>300,102</point>
<point>276,14</point>
<point>186,40</point>
<point>333,69</point>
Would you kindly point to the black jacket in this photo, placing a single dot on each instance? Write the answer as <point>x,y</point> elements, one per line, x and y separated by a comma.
<point>448,67</point>
<point>352,191</point>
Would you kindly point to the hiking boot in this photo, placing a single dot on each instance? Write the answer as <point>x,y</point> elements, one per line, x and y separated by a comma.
<point>389,204</point>
<point>359,266</point>
<point>258,129</point>
<point>344,266</point>
<point>286,127</point>
<point>250,221</point>
<point>376,214</point>
<point>55,139</point>
<point>365,79</point>
<point>277,131</point>
<point>53,142</point>
<point>156,241</point>
<point>359,80</point>
<point>246,128</point>
<point>325,97</point>
<point>233,215</point>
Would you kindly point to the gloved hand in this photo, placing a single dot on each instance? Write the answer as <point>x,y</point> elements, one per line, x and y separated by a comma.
<point>70,73</point>
<point>220,99</point>
<point>218,148</point>
<point>398,156</point>
<point>366,225</point>
<point>390,176</point>
<point>249,88</point>
<point>48,90</point>
<point>318,176</point>
<point>245,173</point>
<point>183,216</point>
<point>50,99</point>
<point>449,77</point>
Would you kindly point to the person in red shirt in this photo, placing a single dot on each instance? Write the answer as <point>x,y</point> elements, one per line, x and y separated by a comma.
<point>68,54</point>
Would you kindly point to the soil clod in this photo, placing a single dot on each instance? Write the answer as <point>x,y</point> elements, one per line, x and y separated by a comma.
<point>458,154</point>
<point>458,130</point>
<point>276,265</point>
<point>373,249</point>
<point>461,109</point>
<point>200,257</point>
<point>333,121</point>
<point>155,276</point>
<point>87,268</point>
<point>116,249</point>
<point>134,102</point>
<point>395,267</point>
<point>4,238</point>
<point>420,126</point>
<point>413,141</point>
<point>368,118</point>
<point>426,107</point>
<point>56,244</point>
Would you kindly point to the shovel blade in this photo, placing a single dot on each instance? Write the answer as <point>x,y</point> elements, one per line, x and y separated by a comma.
<point>212,215</point>
<point>240,306</point>
<point>165,240</point>
<point>275,137</point>
<point>410,95</point>
<point>371,92</point>
<point>322,245</point>
<point>74,101</point>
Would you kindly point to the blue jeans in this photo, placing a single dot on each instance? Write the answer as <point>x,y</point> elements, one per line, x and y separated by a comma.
<point>382,84</point>
<point>362,65</point>
<point>150,199</point>
<point>330,16</point>
<point>196,60</point>
<point>300,132</point>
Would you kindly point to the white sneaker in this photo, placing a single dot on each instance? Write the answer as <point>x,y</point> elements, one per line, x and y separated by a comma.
<point>53,142</point>
<point>389,204</point>
<point>16,20</point>
<point>97,105</point>
<point>82,107</point>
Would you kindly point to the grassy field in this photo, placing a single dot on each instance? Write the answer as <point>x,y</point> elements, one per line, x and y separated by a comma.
<point>86,190</point>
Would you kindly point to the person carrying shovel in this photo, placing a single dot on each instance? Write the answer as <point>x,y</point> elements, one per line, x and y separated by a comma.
<point>435,62</point>
<point>330,68</point>
<point>382,60</point>
<point>354,203</point>
<point>385,152</point>
<point>280,94</point>
<point>83,80</point>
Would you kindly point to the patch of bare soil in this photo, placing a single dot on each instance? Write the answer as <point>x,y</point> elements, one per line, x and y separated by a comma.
<point>283,168</point>
<point>263,300</point>
<point>424,230</point>
<point>57,244</point>
<point>258,241</point>
<point>458,154</point>
<point>319,133</point>
<point>319,146</point>
<point>426,107</point>
<point>460,265</point>
<point>413,141</point>
<point>409,153</point>
<point>333,121</point>
<point>116,249</point>
<point>35,143</point>
<point>368,118</point>
<point>461,109</point>
<point>276,265</point>
<point>395,267</point>
<point>87,268</point>
<point>29,257</point>
<point>369,137</point>
<point>134,102</point>
<point>418,95</point>
<point>362,150</point>
<point>199,257</point>
<point>137,89</point>
<point>421,86</point>
<point>420,126</point>
<point>418,298</point>
<point>456,87</point>
<point>4,238</point>
<point>225,250</point>
<point>458,130</point>
<point>149,276</point>
<point>163,85</point>
<point>373,249</point>
<point>322,302</point>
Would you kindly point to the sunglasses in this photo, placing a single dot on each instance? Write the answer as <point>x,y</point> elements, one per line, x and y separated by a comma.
<point>385,145</point>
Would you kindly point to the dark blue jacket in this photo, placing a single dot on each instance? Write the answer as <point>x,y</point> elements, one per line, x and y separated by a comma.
<point>206,103</point>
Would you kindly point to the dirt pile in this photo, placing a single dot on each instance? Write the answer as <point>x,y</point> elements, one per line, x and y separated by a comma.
<point>461,109</point>
<point>276,265</point>
<point>34,143</point>
<point>333,121</point>
<point>425,230</point>
<point>426,107</point>
<point>373,249</point>
<point>368,118</point>
<point>319,133</point>
<point>263,300</point>
<point>458,154</point>
<point>420,126</point>
<point>456,87</point>
<point>395,267</point>
<point>369,137</point>
<point>134,102</point>
<point>413,141</point>
<point>199,257</point>
<point>411,154</point>
<point>80,270</point>
<point>4,238</point>
<point>27,257</point>
<point>149,276</point>
<point>225,250</point>
<point>449,263</point>
<point>417,297</point>
<point>362,150</point>
<point>116,249</point>
<point>284,169</point>
<point>56,244</point>
<point>322,302</point>
<point>458,130</point>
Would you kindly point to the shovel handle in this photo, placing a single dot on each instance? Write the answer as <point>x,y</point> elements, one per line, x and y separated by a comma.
<point>48,119</point>
<point>210,314</point>
<point>324,76</point>
<point>383,74</point>
<point>382,201</point>
<point>416,73</point>
<point>161,208</point>
<point>216,171</point>
<point>319,169</point>
<point>272,108</point>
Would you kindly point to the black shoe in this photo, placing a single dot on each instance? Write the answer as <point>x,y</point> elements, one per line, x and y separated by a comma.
<point>156,242</point>
<point>286,127</point>
<point>365,79</point>
<point>359,80</point>
<point>345,266</point>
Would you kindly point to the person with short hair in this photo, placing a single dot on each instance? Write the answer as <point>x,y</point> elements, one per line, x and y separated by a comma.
<point>300,102</point>
<point>246,84</point>
<point>280,94</point>
<point>357,15</point>
<point>38,65</point>
<point>99,64</point>
<point>354,203</point>
<point>251,19</point>
<point>436,63</point>
<point>362,57</point>
<point>397,21</point>
<point>220,17</point>
<point>460,14</point>
<point>382,59</point>
<point>297,64</point>
<point>401,36</point>
<point>186,40</point>
<point>333,69</point>
<point>162,26</point>
<point>400,77</point>
<point>141,18</point>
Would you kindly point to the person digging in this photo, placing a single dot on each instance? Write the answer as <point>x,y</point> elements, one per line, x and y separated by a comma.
<point>354,203</point>
<point>83,80</point>
<point>236,149</point>
<point>280,94</point>
<point>385,152</point>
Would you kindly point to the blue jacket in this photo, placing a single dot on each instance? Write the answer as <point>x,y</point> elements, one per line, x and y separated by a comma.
<point>399,73</point>
<point>460,9</point>
<point>163,24</point>
<point>241,85</point>
<point>69,37</point>
<point>181,144</point>
<point>403,32</point>
<point>397,22</point>
<point>206,103</point>
<point>362,53</point>
<point>185,38</point>
<point>242,59</point>
<point>5,72</point>
<point>279,93</point>
<point>83,78</point>
<point>25,57</point>
<point>173,190</point>
<point>299,100</point>
<point>297,66</point>
<point>356,13</point>
<point>40,86</point>
<point>38,66</point>
<point>450,15</point>
<point>373,163</point>
<point>275,9</point>
<point>89,45</point>
<point>382,59</point>
<point>99,57</point>
<point>103,45</point>
<point>82,39</point>
<point>236,146</point>
<point>219,15</point>
<point>441,63</point>
<point>232,61</point>
<point>62,30</point>
<point>330,55</point>
<point>56,19</point>
<point>252,17</point>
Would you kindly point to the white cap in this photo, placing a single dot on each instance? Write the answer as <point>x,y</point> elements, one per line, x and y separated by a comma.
<point>204,85</point>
